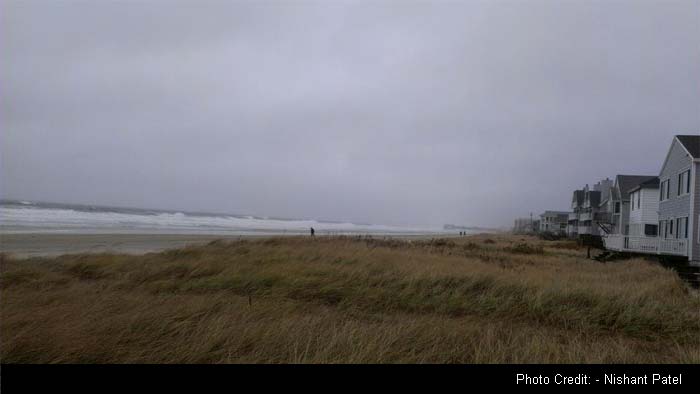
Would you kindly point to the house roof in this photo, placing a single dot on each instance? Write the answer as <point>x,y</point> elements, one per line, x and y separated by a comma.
<point>628,182</point>
<point>594,197</point>
<point>554,213</point>
<point>691,143</point>
<point>649,184</point>
<point>578,197</point>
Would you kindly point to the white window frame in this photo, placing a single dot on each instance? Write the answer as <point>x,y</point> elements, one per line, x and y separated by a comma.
<point>665,189</point>
<point>632,202</point>
<point>639,199</point>
<point>684,184</point>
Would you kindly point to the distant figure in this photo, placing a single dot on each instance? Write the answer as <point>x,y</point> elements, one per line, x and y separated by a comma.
<point>313,231</point>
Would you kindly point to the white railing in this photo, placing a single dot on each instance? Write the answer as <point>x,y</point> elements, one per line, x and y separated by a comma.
<point>651,245</point>
<point>674,246</point>
<point>642,244</point>
<point>573,216</point>
<point>614,242</point>
<point>585,216</point>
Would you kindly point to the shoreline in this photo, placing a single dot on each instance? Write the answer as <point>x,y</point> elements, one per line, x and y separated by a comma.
<point>28,245</point>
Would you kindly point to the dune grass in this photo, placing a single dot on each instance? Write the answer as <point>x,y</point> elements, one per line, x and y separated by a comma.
<point>478,299</point>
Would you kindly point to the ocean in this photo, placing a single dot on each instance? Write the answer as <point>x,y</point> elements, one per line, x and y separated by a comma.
<point>17,217</point>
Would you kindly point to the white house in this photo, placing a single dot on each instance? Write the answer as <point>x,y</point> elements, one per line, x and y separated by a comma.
<point>644,209</point>
<point>678,212</point>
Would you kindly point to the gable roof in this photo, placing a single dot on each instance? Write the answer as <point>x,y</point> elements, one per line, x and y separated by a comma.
<point>691,143</point>
<point>650,184</point>
<point>578,197</point>
<point>593,197</point>
<point>628,182</point>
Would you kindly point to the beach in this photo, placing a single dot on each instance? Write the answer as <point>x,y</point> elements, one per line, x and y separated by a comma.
<point>37,244</point>
<point>30,229</point>
<point>27,245</point>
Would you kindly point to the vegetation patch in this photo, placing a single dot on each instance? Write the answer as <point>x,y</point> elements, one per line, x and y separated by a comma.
<point>347,299</point>
<point>524,248</point>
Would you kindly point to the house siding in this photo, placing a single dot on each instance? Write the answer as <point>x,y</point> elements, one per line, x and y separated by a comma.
<point>676,206</point>
<point>695,220</point>
<point>625,217</point>
<point>647,213</point>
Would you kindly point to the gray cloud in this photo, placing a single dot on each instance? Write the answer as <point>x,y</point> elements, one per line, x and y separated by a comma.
<point>467,112</point>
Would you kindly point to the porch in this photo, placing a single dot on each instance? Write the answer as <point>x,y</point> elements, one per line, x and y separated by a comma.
<point>650,245</point>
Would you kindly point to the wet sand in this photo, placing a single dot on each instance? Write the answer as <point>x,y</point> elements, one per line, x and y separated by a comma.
<point>38,244</point>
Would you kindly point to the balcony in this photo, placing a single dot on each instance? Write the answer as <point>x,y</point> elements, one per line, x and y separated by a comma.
<point>573,216</point>
<point>585,216</point>
<point>649,245</point>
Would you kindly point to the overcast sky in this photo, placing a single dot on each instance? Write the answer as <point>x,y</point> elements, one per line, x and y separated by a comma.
<point>468,112</point>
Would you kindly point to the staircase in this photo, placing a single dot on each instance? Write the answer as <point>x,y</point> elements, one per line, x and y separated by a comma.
<point>606,227</point>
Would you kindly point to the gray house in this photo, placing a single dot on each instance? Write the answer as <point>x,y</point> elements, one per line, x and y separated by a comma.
<point>615,221</point>
<point>573,219</point>
<point>589,205</point>
<point>673,200</point>
<point>554,222</point>
<point>679,199</point>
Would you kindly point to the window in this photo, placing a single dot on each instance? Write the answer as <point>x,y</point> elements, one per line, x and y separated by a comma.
<point>632,202</point>
<point>664,190</point>
<point>670,228</point>
<point>650,230</point>
<point>617,207</point>
<point>639,198</point>
<point>682,228</point>
<point>684,183</point>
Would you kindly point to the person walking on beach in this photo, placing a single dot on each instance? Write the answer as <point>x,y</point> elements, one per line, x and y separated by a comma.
<point>313,231</point>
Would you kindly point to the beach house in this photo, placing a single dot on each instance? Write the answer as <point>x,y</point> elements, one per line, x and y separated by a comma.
<point>554,222</point>
<point>673,200</point>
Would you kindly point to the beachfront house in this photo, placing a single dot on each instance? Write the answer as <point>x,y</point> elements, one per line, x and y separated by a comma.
<point>644,209</point>
<point>590,212</point>
<point>619,205</point>
<point>678,197</point>
<point>554,222</point>
<point>576,207</point>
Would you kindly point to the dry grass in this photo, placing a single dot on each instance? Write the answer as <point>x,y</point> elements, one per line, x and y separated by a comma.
<point>495,299</point>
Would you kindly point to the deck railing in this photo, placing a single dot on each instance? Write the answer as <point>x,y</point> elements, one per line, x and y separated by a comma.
<point>585,216</point>
<point>674,246</point>
<point>614,242</point>
<point>651,245</point>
